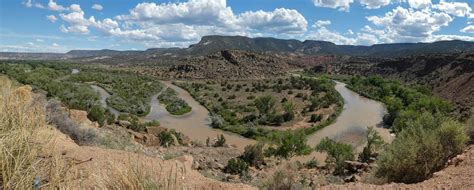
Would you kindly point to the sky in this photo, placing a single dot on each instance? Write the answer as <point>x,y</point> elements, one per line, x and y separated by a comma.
<point>63,25</point>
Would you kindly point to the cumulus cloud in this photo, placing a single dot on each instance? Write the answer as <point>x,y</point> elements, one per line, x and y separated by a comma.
<point>97,7</point>
<point>52,18</point>
<point>280,20</point>
<point>29,4</point>
<point>374,4</point>
<point>468,29</point>
<point>419,4</point>
<point>342,5</point>
<point>454,8</point>
<point>321,23</point>
<point>55,7</point>
<point>402,24</point>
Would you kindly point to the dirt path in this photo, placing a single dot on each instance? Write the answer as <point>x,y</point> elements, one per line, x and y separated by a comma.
<point>194,124</point>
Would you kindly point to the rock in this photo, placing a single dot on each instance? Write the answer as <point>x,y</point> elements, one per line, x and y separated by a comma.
<point>155,130</point>
<point>146,139</point>
<point>80,117</point>
<point>123,123</point>
<point>356,166</point>
<point>352,178</point>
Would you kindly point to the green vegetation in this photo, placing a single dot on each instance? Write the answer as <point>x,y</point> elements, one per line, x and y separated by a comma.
<point>426,134</point>
<point>374,143</point>
<point>422,149</point>
<point>337,152</point>
<point>236,166</point>
<point>288,144</point>
<point>45,76</point>
<point>101,115</point>
<point>174,105</point>
<point>171,137</point>
<point>253,155</point>
<point>131,93</point>
<point>266,103</point>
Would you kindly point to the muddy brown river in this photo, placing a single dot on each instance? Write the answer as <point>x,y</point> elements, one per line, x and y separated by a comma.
<point>350,127</point>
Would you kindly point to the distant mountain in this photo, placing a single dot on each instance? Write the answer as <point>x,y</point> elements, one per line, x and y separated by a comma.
<point>212,44</point>
<point>17,55</point>
<point>97,53</point>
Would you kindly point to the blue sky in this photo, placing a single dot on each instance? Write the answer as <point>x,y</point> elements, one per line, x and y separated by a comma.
<point>63,25</point>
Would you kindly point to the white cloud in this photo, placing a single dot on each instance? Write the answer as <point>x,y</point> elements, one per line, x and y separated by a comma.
<point>52,18</point>
<point>55,7</point>
<point>55,45</point>
<point>454,8</point>
<point>468,29</point>
<point>280,20</point>
<point>195,18</point>
<point>419,4</point>
<point>374,4</point>
<point>409,25</point>
<point>39,40</point>
<point>342,5</point>
<point>97,7</point>
<point>29,4</point>
<point>321,23</point>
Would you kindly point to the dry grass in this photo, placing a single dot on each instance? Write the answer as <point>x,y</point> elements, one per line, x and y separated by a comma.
<point>21,117</point>
<point>140,174</point>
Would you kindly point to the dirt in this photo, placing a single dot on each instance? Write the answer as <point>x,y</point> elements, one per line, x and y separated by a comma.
<point>90,161</point>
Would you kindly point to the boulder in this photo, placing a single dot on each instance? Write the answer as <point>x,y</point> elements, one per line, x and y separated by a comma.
<point>80,117</point>
<point>146,139</point>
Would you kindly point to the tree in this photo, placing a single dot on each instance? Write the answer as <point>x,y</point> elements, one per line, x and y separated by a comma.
<point>374,142</point>
<point>337,152</point>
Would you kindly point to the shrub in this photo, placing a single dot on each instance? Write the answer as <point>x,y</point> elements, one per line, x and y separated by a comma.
<point>288,144</point>
<point>421,149</point>
<point>315,118</point>
<point>231,97</point>
<point>311,164</point>
<point>97,113</point>
<point>374,142</point>
<point>289,108</point>
<point>236,166</point>
<point>253,155</point>
<point>220,141</point>
<point>265,104</point>
<point>337,152</point>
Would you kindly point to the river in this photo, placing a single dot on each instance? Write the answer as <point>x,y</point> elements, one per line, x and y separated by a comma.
<point>350,127</point>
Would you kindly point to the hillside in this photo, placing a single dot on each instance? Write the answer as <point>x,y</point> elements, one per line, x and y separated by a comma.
<point>211,44</point>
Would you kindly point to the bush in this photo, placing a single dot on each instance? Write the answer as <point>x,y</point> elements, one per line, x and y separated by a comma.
<point>236,166</point>
<point>315,118</point>
<point>337,152</point>
<point>288,144</point>
<point>253,155</point>
<point>97,113</point>
<point>374,143</point>
<point>421,149</point>
<point>265,104</point>
<point>220,141</point>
